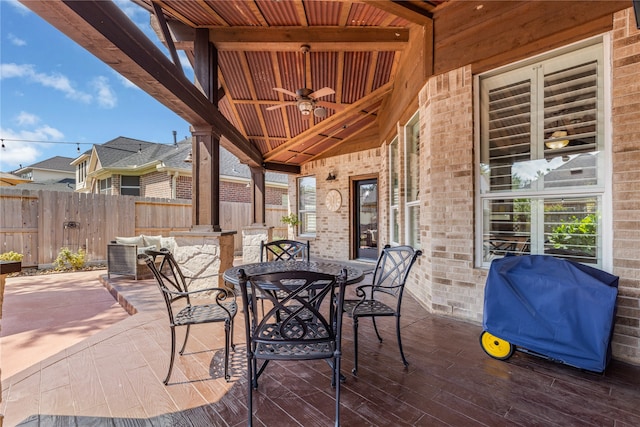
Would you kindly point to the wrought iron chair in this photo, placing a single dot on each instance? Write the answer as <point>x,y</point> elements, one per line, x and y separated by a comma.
<point>182,312</point>
<point>305,324</point>
<point>284,250</point>
<point>389,278</point>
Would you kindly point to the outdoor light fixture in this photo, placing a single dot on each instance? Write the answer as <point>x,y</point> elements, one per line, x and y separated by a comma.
<point>189,158</point>
<point>556,142</point>
<point>305,106</point>
<point>331,176</point>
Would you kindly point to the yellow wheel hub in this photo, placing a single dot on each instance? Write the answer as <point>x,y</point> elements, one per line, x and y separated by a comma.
<point>496,347</point>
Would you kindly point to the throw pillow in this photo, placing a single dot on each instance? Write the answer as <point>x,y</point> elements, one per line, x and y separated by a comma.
<point>138,240</point>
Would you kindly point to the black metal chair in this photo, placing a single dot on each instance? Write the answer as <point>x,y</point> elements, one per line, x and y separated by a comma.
<point>173,286</point>
<point>284,250</point>
<point>304,323</point>
<point>389,278</point>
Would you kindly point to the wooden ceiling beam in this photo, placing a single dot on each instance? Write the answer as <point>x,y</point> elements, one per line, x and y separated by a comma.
<point>417,12</point>
<point>282,39</point>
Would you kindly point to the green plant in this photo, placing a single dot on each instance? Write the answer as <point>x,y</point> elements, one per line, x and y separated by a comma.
<point>577,234</point>
<point>11,256</point>
<point>67,258</point>
<point>292,220</point>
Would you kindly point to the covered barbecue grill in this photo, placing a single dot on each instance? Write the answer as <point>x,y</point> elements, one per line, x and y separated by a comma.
<point>551,307</point>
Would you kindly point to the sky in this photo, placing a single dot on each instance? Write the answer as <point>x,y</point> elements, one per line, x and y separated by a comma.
<point>56,97</point>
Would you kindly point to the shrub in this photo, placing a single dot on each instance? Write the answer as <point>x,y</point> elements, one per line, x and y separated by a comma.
<point>66,259</point>
<point>577,234</point>
<point>11,256</point>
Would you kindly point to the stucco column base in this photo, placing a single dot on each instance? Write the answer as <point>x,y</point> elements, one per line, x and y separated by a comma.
<point>203,256</point>
<point>251,238</point>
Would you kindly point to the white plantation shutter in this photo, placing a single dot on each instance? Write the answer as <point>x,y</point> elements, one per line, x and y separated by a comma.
<point>541,168</point>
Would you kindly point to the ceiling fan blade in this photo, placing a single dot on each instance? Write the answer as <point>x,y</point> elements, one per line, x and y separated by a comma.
<point>325,91</point>
<point>331,105</point>
<point>285,91</point>
<point>275,107</point>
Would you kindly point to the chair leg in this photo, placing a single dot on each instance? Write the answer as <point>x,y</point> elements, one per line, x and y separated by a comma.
<point>354,371</point>
<point>375,328</point>
<point>186,337</point>
<point>404,360</point>
<point>173,355</point>
<point>250,367</point>
<point>227,343</point>
<point>336,376</point>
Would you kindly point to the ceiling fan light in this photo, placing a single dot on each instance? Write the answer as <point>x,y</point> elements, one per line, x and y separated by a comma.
<point>305,107</point>
<point>555,142</point>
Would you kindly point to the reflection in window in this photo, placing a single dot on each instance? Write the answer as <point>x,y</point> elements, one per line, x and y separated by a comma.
<point>130,185</point>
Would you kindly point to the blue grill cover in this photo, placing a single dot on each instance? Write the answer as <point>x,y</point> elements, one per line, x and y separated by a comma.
<point>558,308</point>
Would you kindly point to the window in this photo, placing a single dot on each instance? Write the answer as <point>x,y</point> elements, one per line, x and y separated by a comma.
<point>105,186</point>
<point>307,204</point>
<point>130,185</point>
<point>82,171</point>
<point>394,191</point>
<point>541,171</point>
<point>412,176</point>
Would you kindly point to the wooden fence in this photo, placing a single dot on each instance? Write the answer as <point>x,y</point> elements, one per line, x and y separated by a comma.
<point>38,224</point>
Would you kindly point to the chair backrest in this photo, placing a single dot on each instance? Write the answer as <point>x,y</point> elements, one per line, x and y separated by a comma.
<point>302,317</point>
<point>168,275</point>
<point>284,250</point>
<point>392,270</point>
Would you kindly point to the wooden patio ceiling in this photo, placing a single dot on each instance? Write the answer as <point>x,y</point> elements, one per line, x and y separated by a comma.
<point>347,50</point>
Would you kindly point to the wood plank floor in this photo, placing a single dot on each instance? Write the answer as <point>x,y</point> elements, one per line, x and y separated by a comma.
<point>114,379</point>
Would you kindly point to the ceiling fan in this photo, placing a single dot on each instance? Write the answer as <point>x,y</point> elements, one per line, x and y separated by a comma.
<point>307,99</point>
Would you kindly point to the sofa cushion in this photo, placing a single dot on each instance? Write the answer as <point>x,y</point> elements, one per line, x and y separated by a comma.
<point>143,249</point>
<point>155,241</point>
<point>137,240</point>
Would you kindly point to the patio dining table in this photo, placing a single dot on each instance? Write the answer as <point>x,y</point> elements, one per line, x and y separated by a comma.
<point>354,274</point>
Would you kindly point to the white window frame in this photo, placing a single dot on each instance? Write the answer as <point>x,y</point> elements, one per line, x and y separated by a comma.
<point>130,187</point>
<point>308,212</point>
<point>412,202</point>
<point>394,188</point>
<point>603,189</point>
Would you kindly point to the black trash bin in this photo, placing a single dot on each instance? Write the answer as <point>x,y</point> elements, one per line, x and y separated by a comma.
<point>551,307</point>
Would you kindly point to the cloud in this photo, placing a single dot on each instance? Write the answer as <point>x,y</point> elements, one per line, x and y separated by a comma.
<point>15,40</point>
<point>22,9</point>
<point>25,118</point>
<point>106,97</point>
<point>55,80</point>
<point>20,147</point>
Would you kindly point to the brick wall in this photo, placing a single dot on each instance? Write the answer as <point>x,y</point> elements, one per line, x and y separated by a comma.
<point>156,184</point>
<point>184,187</point>
<point>626,183</point>
<point>332,239</point>
<point>448,282</point>
<point>239,192</point>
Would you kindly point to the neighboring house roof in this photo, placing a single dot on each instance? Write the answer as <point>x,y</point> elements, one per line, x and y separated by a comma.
<point>114,152</point>
<point>137,155</point>
<point>65,184</point>
<point>9,179</point>
<point>57,163</point>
